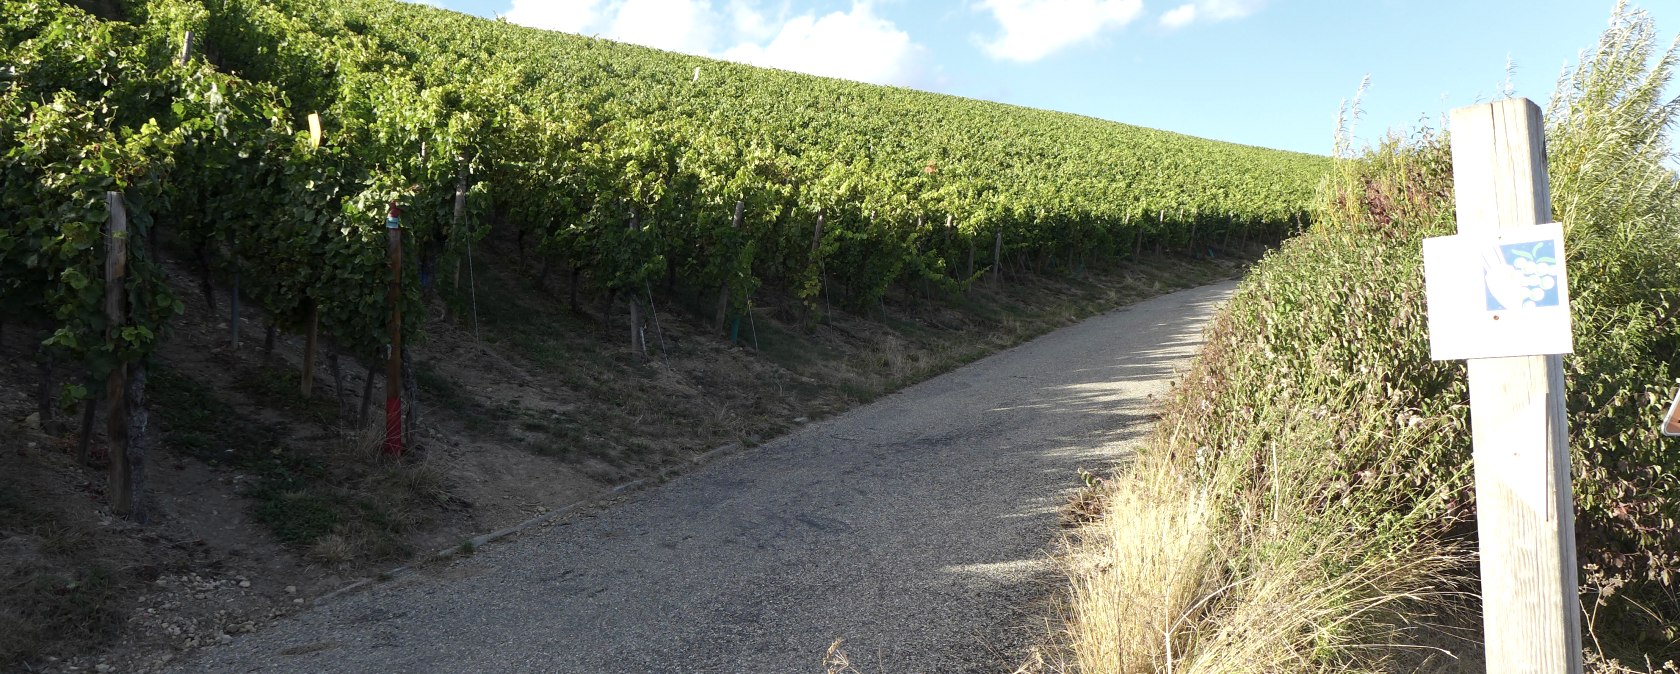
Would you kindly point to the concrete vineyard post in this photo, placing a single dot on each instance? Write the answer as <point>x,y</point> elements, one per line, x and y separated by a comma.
<point>1531,609</point>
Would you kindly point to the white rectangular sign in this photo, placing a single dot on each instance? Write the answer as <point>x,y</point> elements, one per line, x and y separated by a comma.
<point>1498,295</point>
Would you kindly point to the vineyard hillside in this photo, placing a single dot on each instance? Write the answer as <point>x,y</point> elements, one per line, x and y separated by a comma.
<point>613,261</point>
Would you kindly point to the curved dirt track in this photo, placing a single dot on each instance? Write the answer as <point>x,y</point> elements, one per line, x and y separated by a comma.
<point>917,528</point>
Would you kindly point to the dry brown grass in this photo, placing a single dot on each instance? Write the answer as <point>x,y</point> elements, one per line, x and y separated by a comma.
<point>1166,582</point>
<point>1141,574</point>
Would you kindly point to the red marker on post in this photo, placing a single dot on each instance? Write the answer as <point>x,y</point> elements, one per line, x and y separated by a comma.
<point>393,358</point>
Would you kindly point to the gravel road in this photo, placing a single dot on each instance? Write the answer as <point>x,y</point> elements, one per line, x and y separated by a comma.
<point>918,528</point>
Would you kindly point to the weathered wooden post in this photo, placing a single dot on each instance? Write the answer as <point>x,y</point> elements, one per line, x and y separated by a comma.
<point>122,476</point>
<point>1498,297</point>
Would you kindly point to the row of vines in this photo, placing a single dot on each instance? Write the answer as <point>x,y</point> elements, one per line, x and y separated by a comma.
<point>623,164</point>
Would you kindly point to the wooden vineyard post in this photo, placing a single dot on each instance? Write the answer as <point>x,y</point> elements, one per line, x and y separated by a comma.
<point>1531,607</point>
<point>393,359</point>
<point>116,383</point>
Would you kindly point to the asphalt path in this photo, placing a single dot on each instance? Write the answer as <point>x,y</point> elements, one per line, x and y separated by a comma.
<point>918,528</point>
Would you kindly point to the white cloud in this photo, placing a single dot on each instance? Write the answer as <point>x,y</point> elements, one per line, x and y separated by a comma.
<point>1180,16</point>
<point>1209,10</point>
<point>854,45</point>
<point>676,25</point>
<point>1034,29</point>
<point>571,16</point>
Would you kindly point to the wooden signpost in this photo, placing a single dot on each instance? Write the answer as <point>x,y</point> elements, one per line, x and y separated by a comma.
<point>1524,507</point>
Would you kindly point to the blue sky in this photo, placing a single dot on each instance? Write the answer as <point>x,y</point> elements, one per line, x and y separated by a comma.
<point>1262,72</point>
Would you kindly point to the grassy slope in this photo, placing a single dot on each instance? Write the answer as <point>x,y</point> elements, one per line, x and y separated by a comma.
<point>1316,459</point>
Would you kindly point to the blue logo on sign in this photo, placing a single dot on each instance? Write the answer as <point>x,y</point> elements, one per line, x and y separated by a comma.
<point>1523,275</point>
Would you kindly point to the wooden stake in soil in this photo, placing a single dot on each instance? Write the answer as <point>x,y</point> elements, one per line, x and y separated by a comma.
<point>393,359</point>
<point>1531,606</point>
<point>121,489</point>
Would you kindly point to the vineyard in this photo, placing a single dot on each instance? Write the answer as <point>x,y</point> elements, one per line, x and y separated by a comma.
<point>168,164</point>
<point>270,148</point>
<point>623,165</point>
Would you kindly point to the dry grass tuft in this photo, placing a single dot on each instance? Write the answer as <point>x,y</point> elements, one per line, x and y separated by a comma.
<point>1161,584</point>
<point>333,549</point>
<point>1142,574</point>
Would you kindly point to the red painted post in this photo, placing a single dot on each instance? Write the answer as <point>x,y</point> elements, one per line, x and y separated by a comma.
<point>393,359</point>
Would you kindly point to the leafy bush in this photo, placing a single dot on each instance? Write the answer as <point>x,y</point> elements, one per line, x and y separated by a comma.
<point>1336,454</point>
